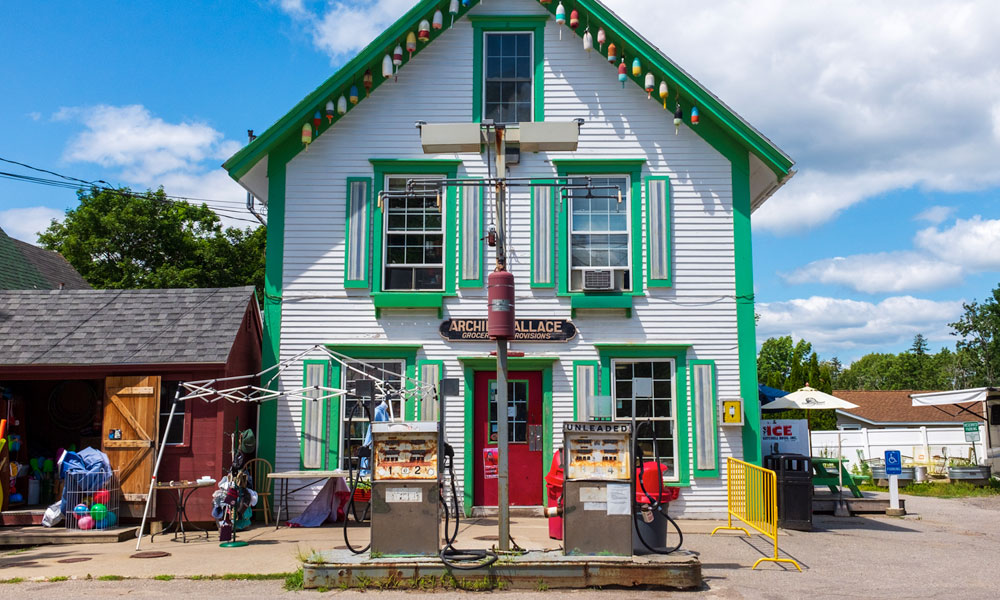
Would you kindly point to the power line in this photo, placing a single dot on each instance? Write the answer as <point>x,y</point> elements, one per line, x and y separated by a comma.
<point>221,208</point>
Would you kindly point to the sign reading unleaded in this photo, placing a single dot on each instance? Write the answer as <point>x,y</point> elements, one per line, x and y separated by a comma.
<point>525,330</point>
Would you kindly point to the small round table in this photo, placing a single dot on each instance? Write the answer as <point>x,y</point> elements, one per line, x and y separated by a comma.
<point>184,490</point>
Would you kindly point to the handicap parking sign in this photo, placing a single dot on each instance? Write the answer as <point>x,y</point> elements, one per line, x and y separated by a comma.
<point>893,462</point>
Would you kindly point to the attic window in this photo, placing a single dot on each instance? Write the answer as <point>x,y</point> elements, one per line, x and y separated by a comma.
<point>508,88</point>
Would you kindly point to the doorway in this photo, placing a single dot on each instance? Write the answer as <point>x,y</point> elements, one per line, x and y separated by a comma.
<point>525,436</point>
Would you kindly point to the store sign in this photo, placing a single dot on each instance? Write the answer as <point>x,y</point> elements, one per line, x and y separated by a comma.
<point>525,330</point>
<point>785,436</point>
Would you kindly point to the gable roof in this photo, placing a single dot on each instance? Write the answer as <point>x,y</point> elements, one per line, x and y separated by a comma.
<point>120,327</point>
<point>895,406</point>
<point>714,112</point>
<point>27,267</point>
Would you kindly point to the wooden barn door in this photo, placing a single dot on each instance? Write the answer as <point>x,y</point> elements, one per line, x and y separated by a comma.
<point>130,435</point>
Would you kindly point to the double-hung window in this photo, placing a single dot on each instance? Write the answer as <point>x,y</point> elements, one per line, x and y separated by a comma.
<point>388,371</point>
<point>414,240</point>
<point>599,236</point>
<point>646,388</point>
<point>508,89</point>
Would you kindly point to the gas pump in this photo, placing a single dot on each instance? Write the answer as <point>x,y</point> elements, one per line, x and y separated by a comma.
<point>598,488</point>
<point>406,480</point>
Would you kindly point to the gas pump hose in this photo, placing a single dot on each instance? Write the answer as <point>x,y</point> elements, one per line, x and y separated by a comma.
<point>353,483</point>
<point>456,558</point>
<point>657,504</point>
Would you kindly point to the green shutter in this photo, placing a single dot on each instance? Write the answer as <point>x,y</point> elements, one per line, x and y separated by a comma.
<point>658,235</point>
<point>704,425</point>
<point>356,237</point>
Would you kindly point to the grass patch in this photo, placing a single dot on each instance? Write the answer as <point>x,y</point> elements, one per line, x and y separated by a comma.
<point>19,550</point>
<point>163,577</point>
<point>293,581</point>
<point>12,580</point>
<point>954,489</point>
<point>110,578</point>
<point>57,578</point>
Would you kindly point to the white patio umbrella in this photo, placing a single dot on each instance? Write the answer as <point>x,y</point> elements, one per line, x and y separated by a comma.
<point>808,398</point>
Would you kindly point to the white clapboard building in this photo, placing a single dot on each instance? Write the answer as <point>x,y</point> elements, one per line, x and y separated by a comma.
<point>656,289</point>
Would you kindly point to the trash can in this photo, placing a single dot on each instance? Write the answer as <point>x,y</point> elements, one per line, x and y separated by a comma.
<point>654,532</point>
<point>554,488</point>
<point>795,490</point>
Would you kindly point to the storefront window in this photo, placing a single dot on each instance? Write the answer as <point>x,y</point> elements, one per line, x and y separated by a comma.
<point>599,239</point>
<point>388,371</point>
<point>645,388</point>
<point>414,240</point>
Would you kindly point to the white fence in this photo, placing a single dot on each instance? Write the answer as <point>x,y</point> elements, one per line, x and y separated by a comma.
<point>918,443</point>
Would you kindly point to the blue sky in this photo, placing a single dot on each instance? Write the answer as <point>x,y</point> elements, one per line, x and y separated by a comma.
<point>894,119</point>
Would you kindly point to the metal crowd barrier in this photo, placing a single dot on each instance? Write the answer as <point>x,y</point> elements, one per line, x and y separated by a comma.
<point>753,499</point>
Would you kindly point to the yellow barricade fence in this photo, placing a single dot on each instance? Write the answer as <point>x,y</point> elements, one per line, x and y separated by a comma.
<point>753,499</point>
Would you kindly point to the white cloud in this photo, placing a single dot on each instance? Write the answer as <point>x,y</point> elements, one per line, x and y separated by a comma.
<point>345,27</point>
<point>149,152</point>
<point>935,215</point>
<point>26,223</point>
<point>35,116</point>
<point>973,243</point>
<point>892,272</point>
<point>836,324</point>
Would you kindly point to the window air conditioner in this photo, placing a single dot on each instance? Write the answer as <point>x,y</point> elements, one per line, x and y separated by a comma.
<point>598,279</point>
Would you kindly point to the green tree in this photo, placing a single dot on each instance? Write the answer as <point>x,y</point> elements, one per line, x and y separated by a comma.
<point>787,365</point>
<point>914,369</point>
<point>121,239</point>
<point>978,330</point>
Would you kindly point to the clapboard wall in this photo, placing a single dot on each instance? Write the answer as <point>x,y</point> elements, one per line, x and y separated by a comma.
<point>436,86</point>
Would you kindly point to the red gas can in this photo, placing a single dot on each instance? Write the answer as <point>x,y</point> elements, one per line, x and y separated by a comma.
<point>500,291</point>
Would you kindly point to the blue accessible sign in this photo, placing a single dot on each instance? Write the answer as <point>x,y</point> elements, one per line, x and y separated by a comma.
<point>893,462</point>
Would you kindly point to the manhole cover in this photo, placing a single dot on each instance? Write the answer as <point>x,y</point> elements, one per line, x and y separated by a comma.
<point>486,538</point>
<point>150,554</point>
<point>74,560</point>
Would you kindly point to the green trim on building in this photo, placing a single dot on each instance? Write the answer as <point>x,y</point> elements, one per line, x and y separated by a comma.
<point>366,281</point>
<point>324,413</point>
<point>677,352</point>
<point>669,280</point>
<point>534,24</point>
<point>471,364</point>
<point>632,167</point>
<point>695,471</point>
<point>481,280</point>
<point>407,299</point>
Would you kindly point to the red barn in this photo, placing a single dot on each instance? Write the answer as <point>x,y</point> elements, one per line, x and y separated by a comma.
<point>80,367</point>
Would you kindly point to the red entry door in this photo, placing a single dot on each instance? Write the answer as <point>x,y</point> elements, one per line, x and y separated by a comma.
<point>525,438</point>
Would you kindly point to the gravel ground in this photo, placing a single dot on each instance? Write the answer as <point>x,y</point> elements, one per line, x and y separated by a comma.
<point>945,548</point>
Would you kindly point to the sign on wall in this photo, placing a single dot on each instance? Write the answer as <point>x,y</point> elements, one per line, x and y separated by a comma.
<point>785,436</point>
<point>971,431</point>
<point>525,330</point>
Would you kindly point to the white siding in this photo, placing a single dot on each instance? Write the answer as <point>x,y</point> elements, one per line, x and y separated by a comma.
<point>437,86</point>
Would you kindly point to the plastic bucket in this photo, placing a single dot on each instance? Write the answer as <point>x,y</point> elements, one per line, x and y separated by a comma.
<point>34,492</point>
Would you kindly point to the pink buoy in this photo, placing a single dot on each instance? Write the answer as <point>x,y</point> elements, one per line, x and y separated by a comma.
<point>86,522</point>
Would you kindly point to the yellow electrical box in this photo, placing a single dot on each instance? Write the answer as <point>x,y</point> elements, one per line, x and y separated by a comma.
<point>732,412</point>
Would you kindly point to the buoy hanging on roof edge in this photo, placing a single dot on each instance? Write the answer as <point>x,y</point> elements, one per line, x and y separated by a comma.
<point>387,70</point>
<point>588,41</point>
<point>317,121</point>
<point>574,19</point>
<point>367,80</point>
<point>330,109</point>
<point>695,117</point>
<point>438,21</point>
<point>424,31</point>
<point>664,92</point>
<point>560,17</point>
<point>678,119</point>
<point>622,72</point>
<point>354,94</point>
<point>650,85</point>
<point>453,10</point>
<point>612,54</point>
<point>636,67</point>
<point>307,135</point>
<point>411,43</point>
<point>601,38</point>
<point>342,105</point>
<point>397,60</point>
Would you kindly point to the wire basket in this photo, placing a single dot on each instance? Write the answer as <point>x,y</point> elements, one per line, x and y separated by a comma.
<point>91,500</point>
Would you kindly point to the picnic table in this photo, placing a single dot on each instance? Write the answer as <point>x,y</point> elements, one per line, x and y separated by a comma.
<point>825,473</point>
